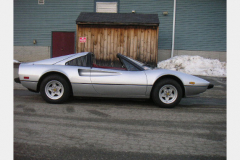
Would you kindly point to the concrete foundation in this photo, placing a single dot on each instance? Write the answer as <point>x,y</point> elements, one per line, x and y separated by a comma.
<point>31,53</point>
<point>166,54</point>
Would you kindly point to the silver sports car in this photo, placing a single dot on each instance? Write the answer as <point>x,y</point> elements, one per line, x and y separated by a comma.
<point>78,75</point>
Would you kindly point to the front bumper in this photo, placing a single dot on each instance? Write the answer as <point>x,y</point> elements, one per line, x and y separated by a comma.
<point>194,90</point>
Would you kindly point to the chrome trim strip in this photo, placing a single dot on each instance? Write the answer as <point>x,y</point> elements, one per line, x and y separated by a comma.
<point>193,86</point>
<point>29,81</point>
<point>113,84</point>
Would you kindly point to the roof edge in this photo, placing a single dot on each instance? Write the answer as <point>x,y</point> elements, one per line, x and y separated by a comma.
<point>118,24</point>
<point>118,18</point>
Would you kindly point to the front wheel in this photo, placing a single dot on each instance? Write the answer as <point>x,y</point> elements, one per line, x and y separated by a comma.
<point>167,93</point>
<point>55,89</point>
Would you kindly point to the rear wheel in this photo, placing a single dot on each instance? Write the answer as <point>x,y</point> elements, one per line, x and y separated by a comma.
<point>55,89</point>
<point>167,93</point>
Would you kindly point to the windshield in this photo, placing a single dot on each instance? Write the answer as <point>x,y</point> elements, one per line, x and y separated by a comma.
<point>144,66</point>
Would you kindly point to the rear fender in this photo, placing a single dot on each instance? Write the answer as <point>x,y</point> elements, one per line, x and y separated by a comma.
<point>51,73</point>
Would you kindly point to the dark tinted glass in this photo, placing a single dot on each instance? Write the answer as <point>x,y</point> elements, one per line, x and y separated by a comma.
<point>129,66</point>
<point>80,61</point>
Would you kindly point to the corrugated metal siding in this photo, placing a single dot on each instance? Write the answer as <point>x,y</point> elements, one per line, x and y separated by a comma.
<point>33,21</point>
<point>201,25</point>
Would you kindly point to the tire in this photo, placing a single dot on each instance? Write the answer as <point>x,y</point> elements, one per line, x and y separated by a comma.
<point>167,93</point>
<point>55,89</point>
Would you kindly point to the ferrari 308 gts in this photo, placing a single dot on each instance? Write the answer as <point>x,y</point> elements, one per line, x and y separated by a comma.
<point>57,79</point>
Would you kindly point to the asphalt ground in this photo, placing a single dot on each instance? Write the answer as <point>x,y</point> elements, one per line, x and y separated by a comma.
<point>106,128</point>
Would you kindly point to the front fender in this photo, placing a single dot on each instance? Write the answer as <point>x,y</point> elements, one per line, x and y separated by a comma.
<point>192,85</point>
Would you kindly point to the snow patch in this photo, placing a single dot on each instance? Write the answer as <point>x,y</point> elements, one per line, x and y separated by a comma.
<point>195,65</point>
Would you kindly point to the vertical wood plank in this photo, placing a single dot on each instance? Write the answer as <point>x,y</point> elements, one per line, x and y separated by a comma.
<point>152,52</point>
<point>105,44</point>
<point>101,45</point>
<point>145,45</point>
<point>128,42</point>
<point>81,44</point>
<point>131,42</point>
<point>156,47</point>
<point>138,44</point>
<point>92,40</point>
<point>142,47</point>
<point>135,43</point>
<point>95,40</point>
<point>77,38</point>
<point>109,52</point>
<point>114,42</point>
<point>112,45</point>
<point>125,42</point>
<point>148,44</point>
<point>79,48</point>
<point>98,43</point>
<point>121,40</point>
<point>118,41</point>
<point>89,39</point>
<point>85,35</point>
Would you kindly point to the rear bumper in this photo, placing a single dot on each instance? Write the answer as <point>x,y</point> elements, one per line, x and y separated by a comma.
<point>30,85</point>
<point>210,86</point>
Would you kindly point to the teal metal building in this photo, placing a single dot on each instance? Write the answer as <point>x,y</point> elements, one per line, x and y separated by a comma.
<point>200,25</point>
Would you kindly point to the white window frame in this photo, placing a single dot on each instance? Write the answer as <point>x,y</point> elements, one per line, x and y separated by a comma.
<point>107,7</point>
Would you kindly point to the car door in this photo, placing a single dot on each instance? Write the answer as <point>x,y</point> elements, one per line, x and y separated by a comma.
<point>79,71</point>
<point>119,83</point>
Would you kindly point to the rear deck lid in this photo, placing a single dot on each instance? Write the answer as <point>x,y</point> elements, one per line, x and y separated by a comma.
<point>52,61</point>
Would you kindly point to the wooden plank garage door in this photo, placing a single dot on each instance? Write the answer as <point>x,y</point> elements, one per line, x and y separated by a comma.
<point>140,43</point>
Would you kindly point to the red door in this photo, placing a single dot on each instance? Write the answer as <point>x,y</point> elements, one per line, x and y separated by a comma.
<point>62,43</point>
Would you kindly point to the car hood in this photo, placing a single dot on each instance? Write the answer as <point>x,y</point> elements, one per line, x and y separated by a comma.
<point>185,78</point>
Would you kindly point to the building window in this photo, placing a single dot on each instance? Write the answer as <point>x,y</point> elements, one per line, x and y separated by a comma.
<point>107,6</point>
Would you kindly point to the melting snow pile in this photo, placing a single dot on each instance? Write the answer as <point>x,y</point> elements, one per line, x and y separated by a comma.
<point>195,65</point>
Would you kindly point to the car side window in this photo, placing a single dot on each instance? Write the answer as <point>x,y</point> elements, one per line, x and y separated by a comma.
<point>129,66</point>
<point>80,61</point>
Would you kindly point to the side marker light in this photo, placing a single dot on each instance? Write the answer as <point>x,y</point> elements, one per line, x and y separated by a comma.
<point>191,82</point>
